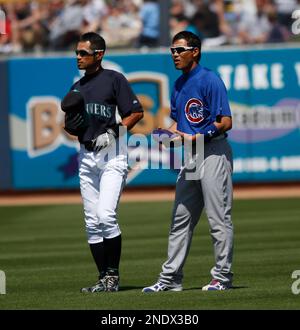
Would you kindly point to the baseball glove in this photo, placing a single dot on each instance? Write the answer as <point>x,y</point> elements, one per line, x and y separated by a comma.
<point>76,118</point>
<point>75,123</point>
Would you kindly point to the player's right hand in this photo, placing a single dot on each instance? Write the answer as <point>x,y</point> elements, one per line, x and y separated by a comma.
<point>168,138</point>
<point>102,141</point>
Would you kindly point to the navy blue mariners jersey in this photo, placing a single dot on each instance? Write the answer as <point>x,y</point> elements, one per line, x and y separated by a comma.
<point>198,97</point>
<point>108,96</point>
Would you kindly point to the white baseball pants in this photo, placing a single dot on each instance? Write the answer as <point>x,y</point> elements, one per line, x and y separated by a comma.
<point>102,178</point>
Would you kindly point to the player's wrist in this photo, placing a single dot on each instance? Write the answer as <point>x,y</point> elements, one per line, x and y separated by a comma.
<point>210,132</point>
<point>112,132</point>
<point>116,131</point>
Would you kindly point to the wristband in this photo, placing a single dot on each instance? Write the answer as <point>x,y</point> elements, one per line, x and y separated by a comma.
<point>210,132</point>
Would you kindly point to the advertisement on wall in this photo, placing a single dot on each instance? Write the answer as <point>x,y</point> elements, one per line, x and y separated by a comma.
<point>263,89</point>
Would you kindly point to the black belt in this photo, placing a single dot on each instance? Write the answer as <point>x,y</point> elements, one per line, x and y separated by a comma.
<point>219,137</point>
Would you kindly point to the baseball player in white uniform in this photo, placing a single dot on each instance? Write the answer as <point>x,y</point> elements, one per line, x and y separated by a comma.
<point>92,109</point>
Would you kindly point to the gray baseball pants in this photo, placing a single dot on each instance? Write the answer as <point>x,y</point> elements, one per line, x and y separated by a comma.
<point>213,191</point>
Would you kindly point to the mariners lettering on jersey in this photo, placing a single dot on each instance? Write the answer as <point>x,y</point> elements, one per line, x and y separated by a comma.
<point>99,110</point>
<point>194,111</point>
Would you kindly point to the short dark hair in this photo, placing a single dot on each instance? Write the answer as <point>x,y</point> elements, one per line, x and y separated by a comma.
<point>97,42</point>
<point>191,38</point>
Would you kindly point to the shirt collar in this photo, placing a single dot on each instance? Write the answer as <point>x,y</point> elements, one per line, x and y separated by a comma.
<point>193,72</point>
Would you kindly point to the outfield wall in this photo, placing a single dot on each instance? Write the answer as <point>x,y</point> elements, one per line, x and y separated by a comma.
<point>263,89</point>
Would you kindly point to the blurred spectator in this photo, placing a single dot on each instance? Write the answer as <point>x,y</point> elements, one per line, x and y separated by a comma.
<point>255,28</point>
<point>65,28</point>
<point>93,12</point>
<point>5,39</point>
<point>232,12</point>
<point>27,31</point>
<point>55,25</point>
<point>284,10</point>
<point>278,32</point>
<point>207,22</point>
<point>177,8</point>
<point>181,23</point>
<point>150,16</point>
<point>224,26</point>
<point>122,26</point>
<point>188,8</point>
<point>75,18</point>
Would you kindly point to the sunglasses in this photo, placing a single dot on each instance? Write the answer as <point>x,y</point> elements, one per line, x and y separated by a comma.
<point>180,49</point>
<point>83,53</point>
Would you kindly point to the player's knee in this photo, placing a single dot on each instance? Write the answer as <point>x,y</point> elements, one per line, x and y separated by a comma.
<point>108,220</point>
<point>105,215</point>
<point>181,215</point>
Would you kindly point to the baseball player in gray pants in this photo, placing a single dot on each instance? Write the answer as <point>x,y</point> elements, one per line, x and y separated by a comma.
<point>200,108</point>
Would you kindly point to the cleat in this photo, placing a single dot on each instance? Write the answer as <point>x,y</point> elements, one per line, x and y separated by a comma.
<point>157,287</point>
<point>98,287</point>
<point>215,285</point>
<point>112,280</point>
<point>111,283</point>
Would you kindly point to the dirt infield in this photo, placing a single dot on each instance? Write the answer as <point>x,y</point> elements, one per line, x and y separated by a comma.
<point>153,194</point>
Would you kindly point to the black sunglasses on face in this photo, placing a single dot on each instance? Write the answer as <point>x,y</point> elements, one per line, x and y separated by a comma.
<point>180,49</point>
<point>83,53</point>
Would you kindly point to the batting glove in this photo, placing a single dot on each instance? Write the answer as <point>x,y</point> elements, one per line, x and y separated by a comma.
<point>103,140</point>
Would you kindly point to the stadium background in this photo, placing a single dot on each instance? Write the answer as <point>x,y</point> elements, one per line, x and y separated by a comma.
<point>39,166</point>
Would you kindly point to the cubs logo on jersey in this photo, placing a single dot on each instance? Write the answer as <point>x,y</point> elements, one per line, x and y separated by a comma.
<point>194,111</point>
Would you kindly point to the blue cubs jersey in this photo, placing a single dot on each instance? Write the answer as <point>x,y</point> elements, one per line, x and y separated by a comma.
<point>107,96</point>
<point>198,97</point>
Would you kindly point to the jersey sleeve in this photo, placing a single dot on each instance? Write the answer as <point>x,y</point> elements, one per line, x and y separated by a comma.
<point>74,86</point>
<point>127,101</point>
<point>218,98</point>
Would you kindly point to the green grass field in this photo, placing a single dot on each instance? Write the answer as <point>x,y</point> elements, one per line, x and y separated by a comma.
<point>44,254</point>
